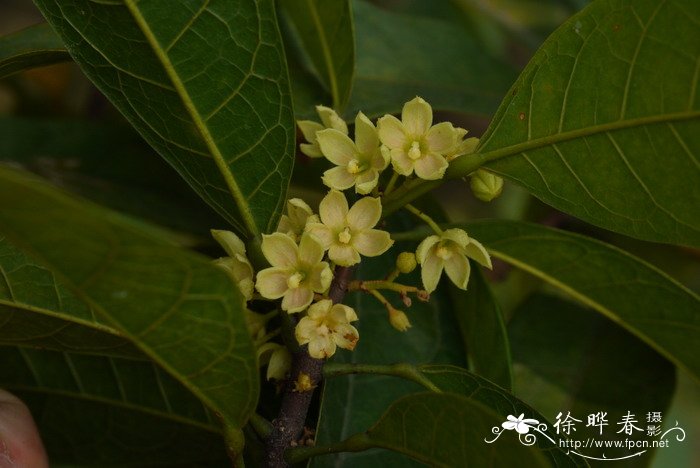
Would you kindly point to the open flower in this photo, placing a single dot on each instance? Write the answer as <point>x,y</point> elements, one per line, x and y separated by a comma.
<point>357,163</point>
<point>294,222</point>
<point>236,264</point>
<point>296,273</point>
<point>308,128</point>
<point>326,327</point>
<point>415,143</point>
<point>449,251</point>
<point>520,424</point>
<point>347,234</point>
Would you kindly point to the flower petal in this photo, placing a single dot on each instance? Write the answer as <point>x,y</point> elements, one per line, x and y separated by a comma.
<point>432,166</point>
<point>425,246</point>
<point>333,209</point>
<point>372,242</point>
<point>320,277</point>
<point>338,178</point>
<point>337,147</point>
<point>391,132</point>
<point>477,251</point>
<point>342,313</point>
<point>305,330</point>
<point>322,347</point>
<point>364,214</point>
<point>279,249</point>
<point>312,151</point>
<point>431,269</point>
<point>441,137</point>
<point>331,119</point>
<point>401,162</point>
<point>230,242</point>
<point>366,181</point>
<point>309,128</point>
<point>417,116</point>
<point>322,233</point>
<point>458,269</point>
<point>458,236</point>
<point>344,255</point>
<point>346,336</point>
<point>381,158</point>
<point>366,137</point>
<point>310,249</point>
<point>296,300</point>
<point>509,425</point>
<point>320,309</point>
<point>272,282</point>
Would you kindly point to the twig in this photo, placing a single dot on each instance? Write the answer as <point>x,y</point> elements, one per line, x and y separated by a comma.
<point>289,424</point>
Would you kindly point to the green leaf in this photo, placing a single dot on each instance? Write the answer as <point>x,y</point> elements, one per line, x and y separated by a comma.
<point>178,309</point>
<point>400,56</point>
<point>35,46</point>
<point>448,430</point>
<point>350,404</point>
<point>569,359</point>
<point>481,323</point>
<point>326,32</point>
<point>95,410</point>
<point>206,85</point>
<point>604,123</point>
<point>452,379</point>
<point>623,288</point>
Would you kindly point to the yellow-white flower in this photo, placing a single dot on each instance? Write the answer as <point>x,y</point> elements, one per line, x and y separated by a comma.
<point>294,222</point>
<point>236,264</point>
<point>415,143</point>
<point>296,273</point>
<point>326,327</point>
<point>357,163</point>
<point>308,128</point>
<point>449,251</point>
<point>347,234</point>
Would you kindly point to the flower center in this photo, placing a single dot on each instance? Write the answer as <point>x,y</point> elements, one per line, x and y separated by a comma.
<point>345,236</point>
<point>355,166</point>
<point>414,152</point>
<point>443,252</point>
<point>295,280</point>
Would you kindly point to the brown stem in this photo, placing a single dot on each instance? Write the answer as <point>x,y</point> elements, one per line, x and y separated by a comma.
<point>289,424</point>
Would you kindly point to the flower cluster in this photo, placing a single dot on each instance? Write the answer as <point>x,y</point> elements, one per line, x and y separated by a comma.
<point>307,246</point>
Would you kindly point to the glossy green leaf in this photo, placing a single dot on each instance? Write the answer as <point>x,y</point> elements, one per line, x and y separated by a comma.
<point>326,31</point>
<point>604,123</point>
<point>400,56</point>
<point>96,410</point>
<point>448,430</point>
<point>481,323</point>
<point>352,404</point>
<point>37,311</point>
<point>32,47</point>
<point>623,288</point>
<point>178,309</point>
<point>108,164</point>
<point>569,359</point>
<point>206,85</point>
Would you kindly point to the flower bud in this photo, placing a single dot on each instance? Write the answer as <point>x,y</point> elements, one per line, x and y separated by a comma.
<point>280,364</point>
<point>486,186</point>
<point>399,320</point>
<point>406,262</point>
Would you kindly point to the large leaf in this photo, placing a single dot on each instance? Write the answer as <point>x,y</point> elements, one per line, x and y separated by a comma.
<point>569,359</point>
<point>447,430</point>
<point>481,323</point>
<point>108,164</point>
<point>352,404</point>
<point>326,32</point>
<point>400,56</point>
<point>32,47</point>
<point>625,289</point>
<point>95,410</point>
<point>177,308</point>
<point>604,123</point>
<point>205,85</point>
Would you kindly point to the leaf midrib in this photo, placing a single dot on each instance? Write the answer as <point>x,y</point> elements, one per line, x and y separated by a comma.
<point>325,49</point>
<point>184,95</point>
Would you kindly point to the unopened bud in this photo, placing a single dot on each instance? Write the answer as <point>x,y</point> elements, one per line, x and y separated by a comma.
<point>486,186</point>
<point>303,383</point>
<point>280,364</point>
<point>406,262</point>
<point>399,320</point>
<point>406,300</point>
<point>423,295</point>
